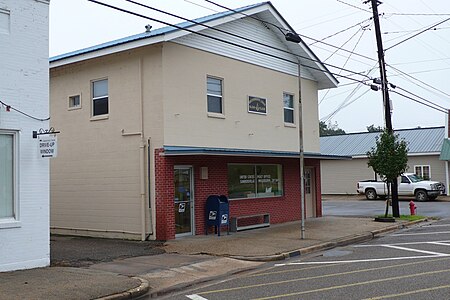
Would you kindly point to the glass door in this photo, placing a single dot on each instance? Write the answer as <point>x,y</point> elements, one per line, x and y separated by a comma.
<point>184,201</point>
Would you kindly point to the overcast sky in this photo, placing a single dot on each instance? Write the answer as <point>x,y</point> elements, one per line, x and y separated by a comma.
<point>76,24</point>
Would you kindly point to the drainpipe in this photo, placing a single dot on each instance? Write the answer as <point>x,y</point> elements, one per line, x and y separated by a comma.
<point>142,154</point>
<point>447,128</point>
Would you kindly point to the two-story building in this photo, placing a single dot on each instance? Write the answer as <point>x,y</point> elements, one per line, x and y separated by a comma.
<point>24,108</point>
<point>153,123</point>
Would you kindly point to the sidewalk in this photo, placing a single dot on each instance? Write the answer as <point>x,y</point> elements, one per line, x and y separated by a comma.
<point>188,261</point>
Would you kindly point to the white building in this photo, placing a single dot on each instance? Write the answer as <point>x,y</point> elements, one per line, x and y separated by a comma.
<point>424,150</point>
<point>24,176</point>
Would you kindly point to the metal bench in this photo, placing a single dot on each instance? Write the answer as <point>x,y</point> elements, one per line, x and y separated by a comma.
<point>234,222</point>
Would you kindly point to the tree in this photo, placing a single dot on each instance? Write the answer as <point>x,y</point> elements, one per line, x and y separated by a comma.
<point>372,128</point>
<point>330,129</point>
<point>389,159</point>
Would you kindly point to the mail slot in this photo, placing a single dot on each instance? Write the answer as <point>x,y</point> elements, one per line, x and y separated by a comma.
<point>217,213</point>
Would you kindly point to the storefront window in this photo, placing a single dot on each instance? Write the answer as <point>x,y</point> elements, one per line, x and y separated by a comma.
<point>254,181</point>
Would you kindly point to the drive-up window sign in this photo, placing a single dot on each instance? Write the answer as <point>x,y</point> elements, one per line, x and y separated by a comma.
<point>48,146</point>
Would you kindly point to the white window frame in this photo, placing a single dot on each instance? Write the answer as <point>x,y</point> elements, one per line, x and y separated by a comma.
<point>289,108</point>
<point>421,170</point>
<point>14,221</point>
<point>215,114</point>
<point>75,106</point>
<point>102,116</point>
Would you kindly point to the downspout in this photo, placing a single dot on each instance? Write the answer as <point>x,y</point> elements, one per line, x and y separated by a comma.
<point>142,145</point>
<point>447,181</point>
<point>142,155</point>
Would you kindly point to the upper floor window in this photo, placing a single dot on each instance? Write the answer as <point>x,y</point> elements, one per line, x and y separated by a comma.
<point>288,104</point>
<point>215,95</point>
<point>423,172</point>
<point>100,97</point>
<point>7,175</point>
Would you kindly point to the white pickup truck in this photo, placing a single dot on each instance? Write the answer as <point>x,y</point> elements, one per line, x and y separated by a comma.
<point>410,185</point>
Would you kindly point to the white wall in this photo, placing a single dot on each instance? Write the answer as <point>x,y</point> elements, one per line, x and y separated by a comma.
<point>24,242</point>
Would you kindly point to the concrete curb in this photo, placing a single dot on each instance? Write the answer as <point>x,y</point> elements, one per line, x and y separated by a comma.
<point>357,238</point>
<point>144,288</point>
<point>133,293</point>
<point>182,286</point>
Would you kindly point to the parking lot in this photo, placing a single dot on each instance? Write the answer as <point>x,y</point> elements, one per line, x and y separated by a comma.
<point>357,205</point>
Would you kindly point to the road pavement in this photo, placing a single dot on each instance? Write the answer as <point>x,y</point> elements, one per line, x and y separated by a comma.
<point>410,264</point>
<point>359,207</point>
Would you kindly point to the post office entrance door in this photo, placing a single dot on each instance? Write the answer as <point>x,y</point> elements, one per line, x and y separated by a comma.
<point>184,201</point>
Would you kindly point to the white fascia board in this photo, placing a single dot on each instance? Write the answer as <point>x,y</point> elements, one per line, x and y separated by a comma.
<point>107,51</point>
<point>424,154</point>
<point>216,22</point>
<point>409,154</point>
<point>294,48</point>
<point>153,40</point>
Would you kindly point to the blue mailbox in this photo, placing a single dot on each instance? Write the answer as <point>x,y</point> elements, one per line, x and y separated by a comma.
<point>217,213</point>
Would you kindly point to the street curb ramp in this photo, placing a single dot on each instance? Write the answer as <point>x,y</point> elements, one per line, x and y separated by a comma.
<point>133,293</point>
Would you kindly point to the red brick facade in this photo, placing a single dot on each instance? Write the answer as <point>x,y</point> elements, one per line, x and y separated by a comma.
<point>282,209</point>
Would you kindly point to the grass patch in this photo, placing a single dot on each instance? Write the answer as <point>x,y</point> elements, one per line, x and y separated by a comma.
<point>405,217</point>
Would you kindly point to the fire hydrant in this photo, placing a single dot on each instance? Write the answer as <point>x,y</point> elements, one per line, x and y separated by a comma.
<point>412,208</point>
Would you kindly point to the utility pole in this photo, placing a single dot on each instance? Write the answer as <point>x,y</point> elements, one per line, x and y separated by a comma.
<point>385,91</point>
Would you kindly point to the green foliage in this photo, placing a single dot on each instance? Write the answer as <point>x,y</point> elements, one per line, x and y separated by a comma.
<point>390,156</point>
<point>372,128</point>
<point>330,129</point>
<point>405,217</point>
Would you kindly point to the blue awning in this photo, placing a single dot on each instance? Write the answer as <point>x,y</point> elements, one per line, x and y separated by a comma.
<point>182,150</point>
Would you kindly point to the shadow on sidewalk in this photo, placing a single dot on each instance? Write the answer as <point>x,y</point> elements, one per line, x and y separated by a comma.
<point>72,251</point>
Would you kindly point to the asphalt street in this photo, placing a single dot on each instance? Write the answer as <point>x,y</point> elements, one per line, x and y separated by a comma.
<point>410,264</point>
<point>367,208</point>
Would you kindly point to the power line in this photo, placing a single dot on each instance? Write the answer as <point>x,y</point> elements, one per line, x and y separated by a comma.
<point>344,105</point>
<point>348,40</point>
<point>426,100</point>
<point>411,31</point>
<point>354,6</point>
<point>389,65</point>
<point>9,107</point>
<point>348,58</point>
<point>341,31</point>
<point>229,33</point>
<point>415,14</point>
<point>224,7</point>
<point>422,82</point>
<point>426,29</point>
<point>415,100</point>
<point>232,43</point>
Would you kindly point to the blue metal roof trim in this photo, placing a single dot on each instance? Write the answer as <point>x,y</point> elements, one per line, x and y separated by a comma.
<point>420,140</point>
<point>181,150</point>
<point>156,32</point>
<point>445,151</point>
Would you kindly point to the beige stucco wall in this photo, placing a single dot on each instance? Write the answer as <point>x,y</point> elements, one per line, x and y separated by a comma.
<point>186,120</point>
<point>341,176</point>
<point>95,178</point>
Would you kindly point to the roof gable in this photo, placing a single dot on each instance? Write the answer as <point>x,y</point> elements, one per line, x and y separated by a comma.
<point>312,68</point>
<point>419,140</point>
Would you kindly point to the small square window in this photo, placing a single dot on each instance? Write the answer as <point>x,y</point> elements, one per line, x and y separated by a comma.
<point>74,102</point>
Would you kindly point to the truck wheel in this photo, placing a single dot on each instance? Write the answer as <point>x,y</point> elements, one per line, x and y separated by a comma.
<point>371,194</point>
<point>421,195</point>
